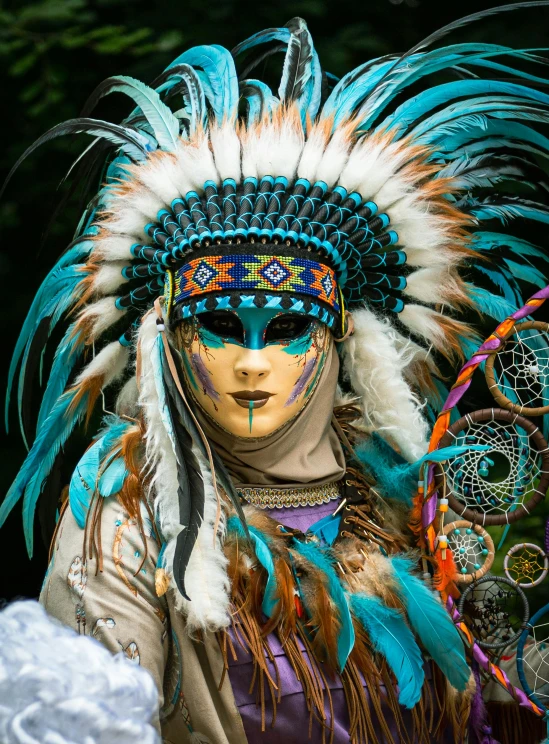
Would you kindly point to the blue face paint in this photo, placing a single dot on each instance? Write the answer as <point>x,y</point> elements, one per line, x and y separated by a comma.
<point>254,322</point>
<point>209,339</point>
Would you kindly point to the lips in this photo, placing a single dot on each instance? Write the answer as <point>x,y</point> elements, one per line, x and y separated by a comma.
<point>259,398</point>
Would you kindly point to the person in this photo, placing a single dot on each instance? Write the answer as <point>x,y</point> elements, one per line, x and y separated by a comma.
<point>272,283</point>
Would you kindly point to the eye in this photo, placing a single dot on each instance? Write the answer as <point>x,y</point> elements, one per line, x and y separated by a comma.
<point>286,327</point>
<point>222,323</point>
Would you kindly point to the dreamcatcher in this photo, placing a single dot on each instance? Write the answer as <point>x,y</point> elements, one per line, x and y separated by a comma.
<point>473,501</point>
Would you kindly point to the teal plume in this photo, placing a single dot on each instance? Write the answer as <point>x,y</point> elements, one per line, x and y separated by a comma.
<point>325,563</point>
<point>391,637</point>
<point>432,624</point>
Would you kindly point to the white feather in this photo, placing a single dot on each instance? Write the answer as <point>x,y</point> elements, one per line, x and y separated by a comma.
<point>334,158</point>
<point>423,322</point>
<point>102,315</point>
<point>249,139</point>
<point>375,360</point>
<point>226,150</point>
<point>279,146</point>
<point>129,213</point>
<point>435,285</point>
<point>206,577</point>
<point>109,277</point>
<point>316,143</point>
<point>113,247</point>
<point>127,400</point>
<point>159,175</point>
<point>194,165</point>
<point>109,363</point>
<point>372,162</point>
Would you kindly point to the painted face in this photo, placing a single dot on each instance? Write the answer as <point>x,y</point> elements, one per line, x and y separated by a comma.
<point>252,370</point>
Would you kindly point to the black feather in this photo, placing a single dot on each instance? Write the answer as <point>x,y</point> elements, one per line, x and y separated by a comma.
<point>83,125</point>
<point>296,70</point>
<point>460,23</point>
<point>190,491</point>
<point>222,475</point>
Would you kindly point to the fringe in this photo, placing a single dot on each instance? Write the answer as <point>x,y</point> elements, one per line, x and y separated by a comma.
<point>368,685</point>
<point>511,724</point>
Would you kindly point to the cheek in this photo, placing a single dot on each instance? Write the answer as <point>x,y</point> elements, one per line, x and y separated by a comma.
<point>204,359</point>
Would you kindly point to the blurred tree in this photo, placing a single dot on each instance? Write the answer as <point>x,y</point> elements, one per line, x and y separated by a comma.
<point>52,55</point>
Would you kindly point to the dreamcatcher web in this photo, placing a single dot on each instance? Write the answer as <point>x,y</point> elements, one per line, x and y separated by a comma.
<point>526,564</point>
<point>472,550</point>
<point>536,662</point>
<point>496,610</point>
<point>495,480</point>
<point>521,369</point>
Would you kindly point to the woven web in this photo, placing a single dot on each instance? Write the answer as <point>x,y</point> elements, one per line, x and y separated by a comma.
<point>497,479</point>
<point>526,566</point>
<point>467,549</point>
<point>536,662</point>
<point>495,612</point>
<point>522,368</point>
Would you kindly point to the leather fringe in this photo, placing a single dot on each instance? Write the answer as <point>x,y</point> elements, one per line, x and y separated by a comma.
<point>512,724</point>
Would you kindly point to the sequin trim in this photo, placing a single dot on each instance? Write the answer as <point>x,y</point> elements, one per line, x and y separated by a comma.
<point>280,498</point>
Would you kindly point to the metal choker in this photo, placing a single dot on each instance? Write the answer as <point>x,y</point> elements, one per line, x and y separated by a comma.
<point>268,497</point>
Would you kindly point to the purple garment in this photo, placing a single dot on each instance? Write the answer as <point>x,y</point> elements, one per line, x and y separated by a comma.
<point>292,716</point>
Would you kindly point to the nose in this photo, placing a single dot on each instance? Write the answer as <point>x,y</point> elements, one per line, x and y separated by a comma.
<point>252,365</point>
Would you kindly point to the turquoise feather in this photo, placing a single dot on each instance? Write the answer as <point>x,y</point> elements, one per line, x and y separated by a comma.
<point>326,529</point>
<point>320,558</point>
<point>83,482</point>
<point>265,558</point>
<point>432,624</point>
<point>490,304</point>
<point>260,99</point>
<point>391,637</point>
<point>85,478</point>
<point>164,124</point>
<point>28,484</point>
<point>67,354</point>
<point>113,477</point>
<point>219,77</point>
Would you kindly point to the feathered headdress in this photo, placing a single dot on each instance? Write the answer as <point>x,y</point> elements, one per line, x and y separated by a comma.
<point>379,194</point>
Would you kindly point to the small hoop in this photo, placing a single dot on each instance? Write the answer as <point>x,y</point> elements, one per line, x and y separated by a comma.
<point>349,325</point>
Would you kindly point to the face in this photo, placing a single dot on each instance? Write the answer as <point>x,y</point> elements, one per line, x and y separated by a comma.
<point>252,370</point>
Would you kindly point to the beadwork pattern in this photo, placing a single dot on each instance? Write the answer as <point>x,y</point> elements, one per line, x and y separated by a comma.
<point>247,272</point>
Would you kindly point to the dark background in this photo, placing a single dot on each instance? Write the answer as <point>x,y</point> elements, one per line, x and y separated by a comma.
<point>53,53</point>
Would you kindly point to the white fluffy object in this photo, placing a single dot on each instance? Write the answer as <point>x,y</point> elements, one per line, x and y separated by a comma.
<point>113,247</point>
<point>57,687</point>
<point>101,315</point>
<point>206,576</point>
<point>108,277</point>
<point>109,363</point>
<point>226,150</point>
<point>375,360</point>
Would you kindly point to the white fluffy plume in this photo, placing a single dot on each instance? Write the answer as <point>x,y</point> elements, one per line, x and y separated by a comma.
<point>375,361</point>
<point>226,150</point>
<point>60,687</point>
<point>99,316</point>
<point>109,363</point>
<point>206,577</point>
